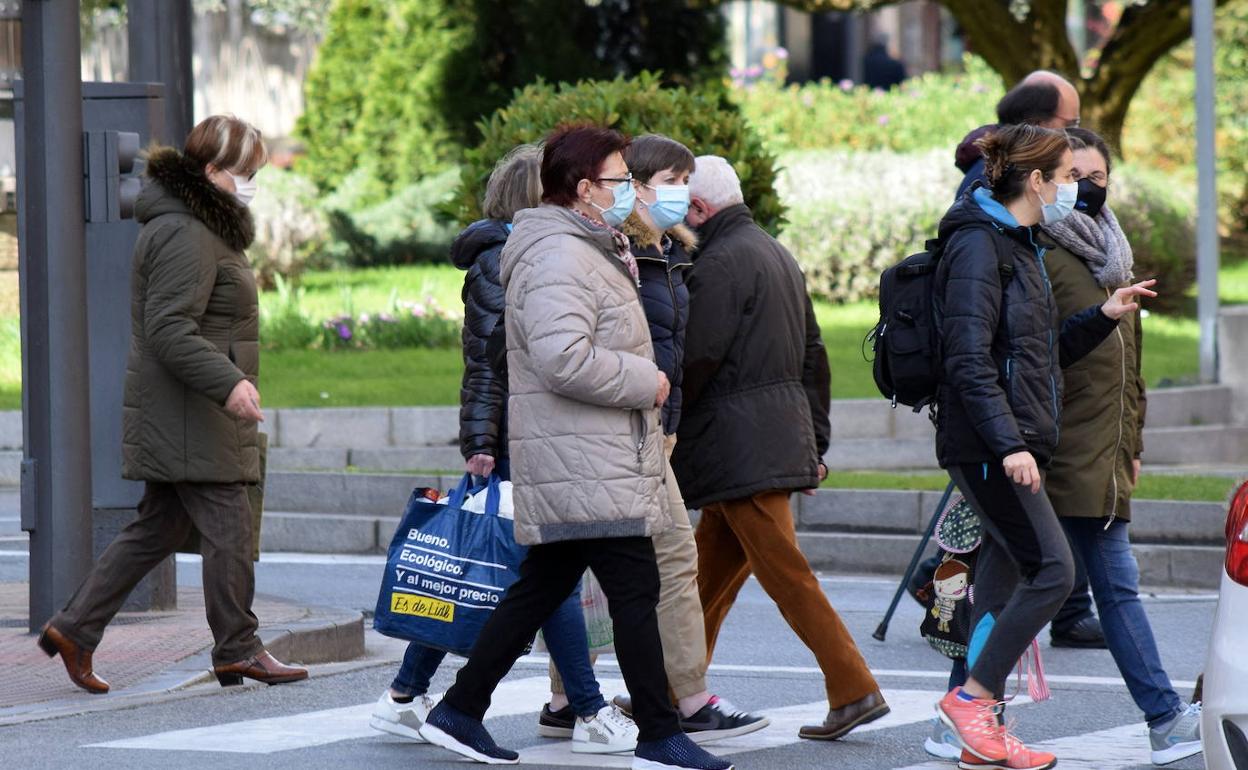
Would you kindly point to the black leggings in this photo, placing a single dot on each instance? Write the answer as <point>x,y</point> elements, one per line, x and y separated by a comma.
<point>626,569</point>
<point>1025,569</point>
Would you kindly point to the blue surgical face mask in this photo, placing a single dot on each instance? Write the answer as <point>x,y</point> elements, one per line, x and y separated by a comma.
<point>1062,205</point>
<point>671,204</point>
<point>625,196</point>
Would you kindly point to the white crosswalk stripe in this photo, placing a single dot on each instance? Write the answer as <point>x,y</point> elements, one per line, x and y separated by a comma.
<point>1113,749</point>
<point>1117,748</point>
<point>318,728</point>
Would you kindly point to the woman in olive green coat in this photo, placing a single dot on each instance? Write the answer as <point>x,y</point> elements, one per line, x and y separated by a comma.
<point>1097,462</point>
<point>191,404</point>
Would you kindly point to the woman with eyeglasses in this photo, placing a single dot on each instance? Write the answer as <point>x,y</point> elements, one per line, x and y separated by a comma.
<point>1096,465</point>
<point>586,447</point>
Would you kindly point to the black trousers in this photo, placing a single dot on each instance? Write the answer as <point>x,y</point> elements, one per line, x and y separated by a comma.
<point>626,568</point>
<point>222,514</point>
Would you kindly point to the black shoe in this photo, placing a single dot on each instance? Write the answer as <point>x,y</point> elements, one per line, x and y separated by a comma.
<point>676,753</point>
<point>719,719</point>
<point>460,733</point>
<point>1085,634</point>
<point>556,724</point>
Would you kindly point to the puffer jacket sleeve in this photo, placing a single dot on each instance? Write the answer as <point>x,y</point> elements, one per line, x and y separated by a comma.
<point>560,316</point>
<point>1082,332</point>
<point>714,314</point>
<point>483,393</point>
<point>972,312</point>
<point>817,380</point>
<point>181,274</point>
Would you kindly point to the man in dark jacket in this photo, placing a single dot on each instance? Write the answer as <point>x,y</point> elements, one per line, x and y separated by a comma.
<point>1042,98</point>
<point>753,430</point>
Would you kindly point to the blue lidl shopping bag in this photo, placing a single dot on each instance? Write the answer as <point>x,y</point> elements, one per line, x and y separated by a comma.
<point>447,569</point>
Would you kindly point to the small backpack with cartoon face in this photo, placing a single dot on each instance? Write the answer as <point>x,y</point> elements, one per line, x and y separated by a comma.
<point>949,596</point>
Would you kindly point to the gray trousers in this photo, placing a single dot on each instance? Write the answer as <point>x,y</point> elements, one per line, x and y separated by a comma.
<point>167,512</point>
<point>1024,572</point>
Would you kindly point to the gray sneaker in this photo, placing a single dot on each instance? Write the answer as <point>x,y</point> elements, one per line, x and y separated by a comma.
<point>1177,739</point>
<point>943,742</point>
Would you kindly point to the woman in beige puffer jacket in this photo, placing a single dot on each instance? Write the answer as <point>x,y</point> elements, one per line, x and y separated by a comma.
<point>587,456</point>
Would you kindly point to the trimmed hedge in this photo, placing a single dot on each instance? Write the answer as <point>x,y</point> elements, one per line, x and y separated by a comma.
<point>704,120</point>
<point>851,215</point>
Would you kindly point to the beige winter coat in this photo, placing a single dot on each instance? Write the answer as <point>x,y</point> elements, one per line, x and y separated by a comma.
<point>586,445</point>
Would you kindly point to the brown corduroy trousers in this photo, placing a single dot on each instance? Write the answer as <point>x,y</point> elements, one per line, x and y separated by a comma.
<point>756,535</point>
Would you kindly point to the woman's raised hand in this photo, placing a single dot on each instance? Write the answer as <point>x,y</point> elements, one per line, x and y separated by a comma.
<point>1123,300</point>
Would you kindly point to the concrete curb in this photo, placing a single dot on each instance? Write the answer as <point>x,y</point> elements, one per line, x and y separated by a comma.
<point>329,636</point>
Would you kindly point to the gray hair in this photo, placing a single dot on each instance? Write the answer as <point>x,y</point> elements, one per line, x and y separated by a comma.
<point>714,181</point>
<point>515,183</point>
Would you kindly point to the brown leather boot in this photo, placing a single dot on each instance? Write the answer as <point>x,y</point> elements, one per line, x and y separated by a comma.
<point>262,667</point>
<point>77,660</point>
<point>841,720</point>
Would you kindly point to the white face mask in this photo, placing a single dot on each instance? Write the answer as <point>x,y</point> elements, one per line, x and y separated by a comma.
<point>244,188</point>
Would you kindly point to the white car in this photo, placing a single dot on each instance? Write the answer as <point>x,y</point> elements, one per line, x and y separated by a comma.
<point>1224,718</point>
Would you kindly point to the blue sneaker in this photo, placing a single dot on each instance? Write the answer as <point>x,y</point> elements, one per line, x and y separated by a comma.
<point>454,730</point>
<point>676,753</point>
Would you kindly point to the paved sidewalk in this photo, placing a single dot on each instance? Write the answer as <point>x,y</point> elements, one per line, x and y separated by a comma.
<point>151,652</point>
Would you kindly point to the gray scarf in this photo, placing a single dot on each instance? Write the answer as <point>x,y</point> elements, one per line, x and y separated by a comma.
<point>1100,243</point>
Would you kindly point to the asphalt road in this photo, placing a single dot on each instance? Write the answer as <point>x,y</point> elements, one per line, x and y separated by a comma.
<point>760,665</point>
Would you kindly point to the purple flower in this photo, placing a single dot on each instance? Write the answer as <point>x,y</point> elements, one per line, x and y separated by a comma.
<point>882,120</point>
<point>782,53</point>
<point>735,73</point>
<point>344,332</point>
<point>754,71</point>
<point>846,85</point>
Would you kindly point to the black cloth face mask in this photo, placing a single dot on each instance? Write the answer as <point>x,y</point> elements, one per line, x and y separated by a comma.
<point>1091,197</point>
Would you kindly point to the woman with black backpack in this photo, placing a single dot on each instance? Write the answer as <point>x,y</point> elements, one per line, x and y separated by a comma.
<point>998,414</point>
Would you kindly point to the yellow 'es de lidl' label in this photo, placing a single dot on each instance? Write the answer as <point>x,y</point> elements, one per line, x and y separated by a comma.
<point>422,606</point>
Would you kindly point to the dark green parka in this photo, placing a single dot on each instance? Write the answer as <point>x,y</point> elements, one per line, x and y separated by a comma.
<point>195,331</point>
<point>1103,405</point>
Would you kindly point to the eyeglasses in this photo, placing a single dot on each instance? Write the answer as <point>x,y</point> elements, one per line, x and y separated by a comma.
<point>616,179</point>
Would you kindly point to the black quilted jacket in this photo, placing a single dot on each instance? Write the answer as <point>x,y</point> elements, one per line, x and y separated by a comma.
<point>483,393</point>
<point>1002,344</point>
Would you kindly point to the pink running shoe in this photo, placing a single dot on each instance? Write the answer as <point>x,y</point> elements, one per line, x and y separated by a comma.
<point>975,722</point>
<point>1019,757</point>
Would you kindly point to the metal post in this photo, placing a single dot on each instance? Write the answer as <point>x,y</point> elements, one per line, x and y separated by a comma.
<point>160,52</point>
<point>1207,192</point>
<point>56,470</point>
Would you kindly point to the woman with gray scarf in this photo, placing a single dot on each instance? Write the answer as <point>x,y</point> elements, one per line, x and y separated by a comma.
<point>1097,462</point>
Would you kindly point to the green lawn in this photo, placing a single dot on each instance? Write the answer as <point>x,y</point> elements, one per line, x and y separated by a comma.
<point>413,377</point>
<point>361,378</point>
<point>1158,486</point>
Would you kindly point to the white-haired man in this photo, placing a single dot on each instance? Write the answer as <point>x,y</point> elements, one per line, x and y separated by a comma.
<point>753,430</point>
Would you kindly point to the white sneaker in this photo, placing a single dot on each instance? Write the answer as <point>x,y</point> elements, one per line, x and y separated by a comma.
<point>607,732</point>
<point>943,742</point>
<point>401,719</point>
<point>1177,739</point>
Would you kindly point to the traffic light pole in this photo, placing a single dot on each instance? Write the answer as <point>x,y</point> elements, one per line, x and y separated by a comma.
<point>160,52</point>
<point>56,469</point>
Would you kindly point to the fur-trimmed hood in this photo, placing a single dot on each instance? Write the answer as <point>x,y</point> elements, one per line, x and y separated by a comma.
<point>182,187</point>
<point>643,238</point>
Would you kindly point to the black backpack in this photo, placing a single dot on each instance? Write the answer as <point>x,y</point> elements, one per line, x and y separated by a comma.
<point>905,340</point>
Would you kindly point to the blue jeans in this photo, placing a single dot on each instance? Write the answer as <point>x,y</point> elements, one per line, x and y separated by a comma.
<point>1115,579</point>
<point>566,639</point>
